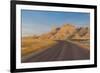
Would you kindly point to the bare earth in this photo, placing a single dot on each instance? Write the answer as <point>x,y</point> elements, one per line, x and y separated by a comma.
<point>62,51</point>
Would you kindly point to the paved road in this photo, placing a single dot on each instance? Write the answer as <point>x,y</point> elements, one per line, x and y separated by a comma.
<point>61,51</point>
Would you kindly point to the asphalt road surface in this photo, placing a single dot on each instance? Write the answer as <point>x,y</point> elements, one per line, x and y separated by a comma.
<point>62,51</point>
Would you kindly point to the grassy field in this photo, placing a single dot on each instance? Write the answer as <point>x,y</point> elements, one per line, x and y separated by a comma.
<point>30,45</point>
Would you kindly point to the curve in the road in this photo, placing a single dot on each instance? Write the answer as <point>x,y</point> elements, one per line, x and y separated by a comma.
<point>63,50</point>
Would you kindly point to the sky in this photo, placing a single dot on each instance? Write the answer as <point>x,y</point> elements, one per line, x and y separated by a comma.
<point>38,22</point>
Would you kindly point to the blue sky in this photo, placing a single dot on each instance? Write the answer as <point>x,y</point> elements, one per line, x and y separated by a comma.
<point>38,22</point>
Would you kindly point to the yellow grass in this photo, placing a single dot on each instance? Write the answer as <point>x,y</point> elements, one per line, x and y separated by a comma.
<point>81,45</point>
<point>30,45</point>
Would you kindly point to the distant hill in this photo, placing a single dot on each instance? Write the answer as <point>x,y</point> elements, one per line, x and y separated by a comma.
<point>81,33</point>
<point>67,31</point>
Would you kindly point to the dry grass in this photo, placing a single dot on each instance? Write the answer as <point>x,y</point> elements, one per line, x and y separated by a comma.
<point>83,45</point>
<point>30,45</point>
